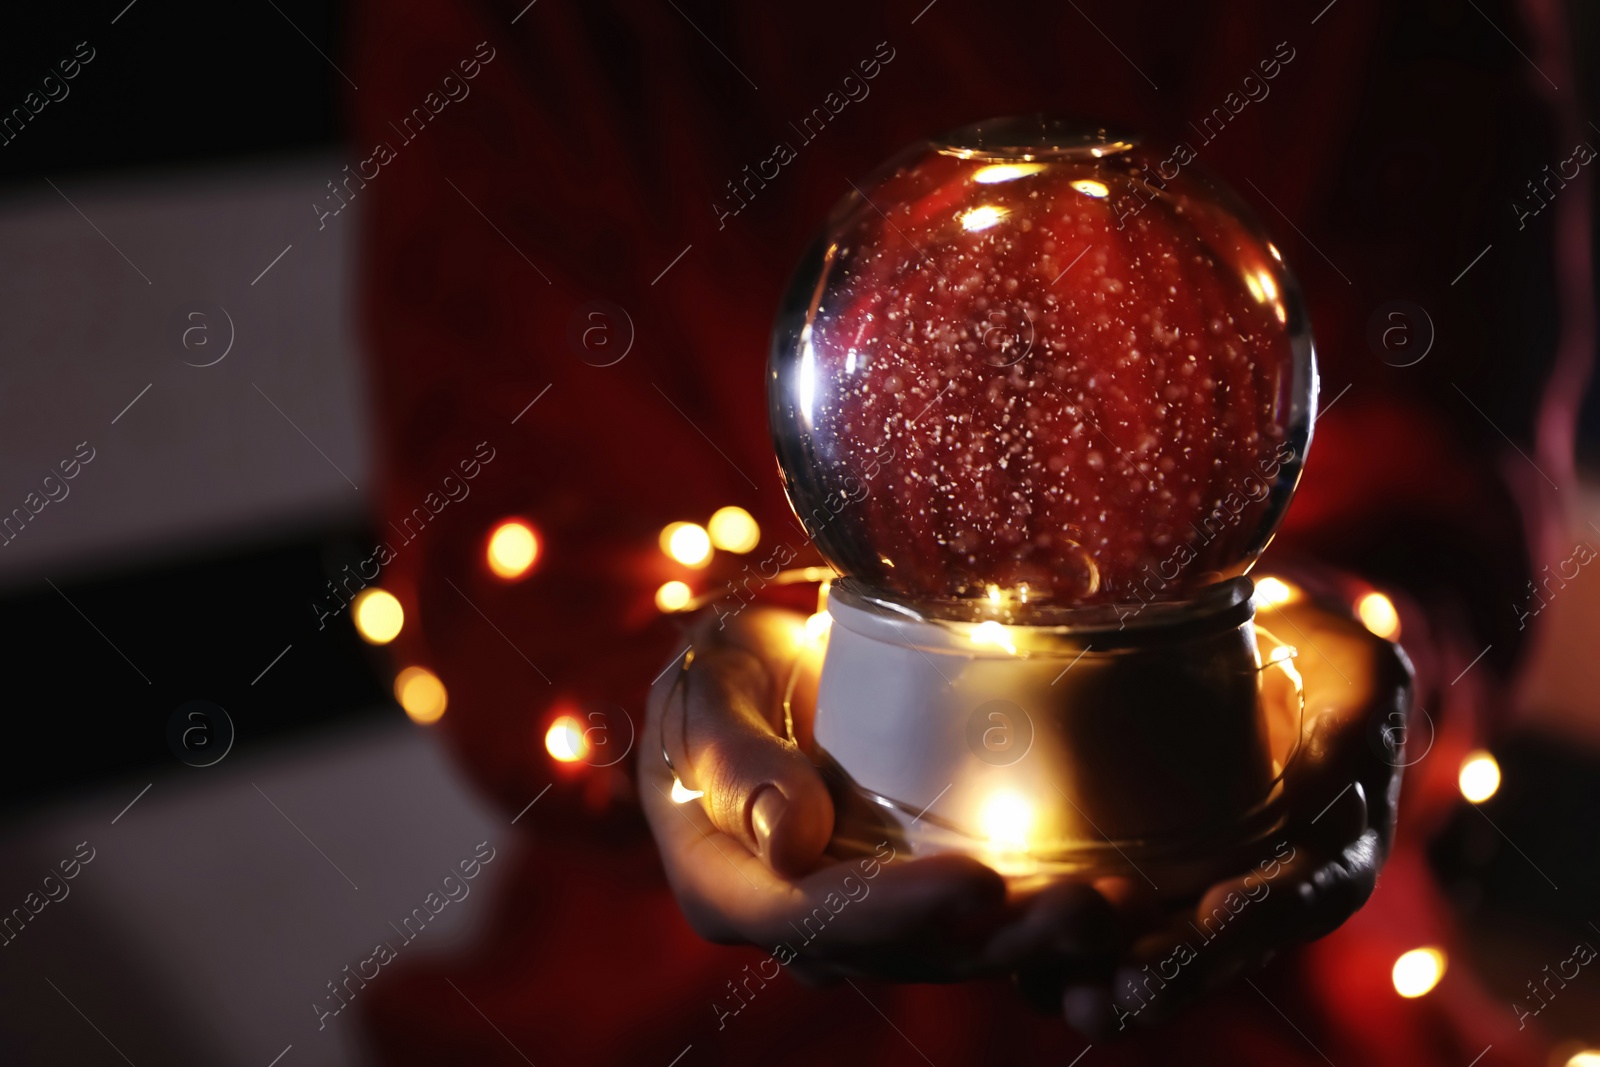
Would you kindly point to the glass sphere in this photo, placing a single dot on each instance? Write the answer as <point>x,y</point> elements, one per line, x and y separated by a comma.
<point>1041,364</point>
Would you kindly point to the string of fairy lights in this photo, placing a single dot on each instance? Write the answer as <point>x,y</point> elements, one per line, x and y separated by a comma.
<point>510,552</point>
<point>513,547</point>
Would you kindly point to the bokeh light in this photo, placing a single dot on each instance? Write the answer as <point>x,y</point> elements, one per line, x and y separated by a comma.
<point>565,741</point>
<point>733,529</point>
<point>1418,971</point>
<point>673,596</point>
<point>378,616</point>
<point>1377,614</point>
<point>1480,777</point>
<point>687,542</point>
<point>513,548</point>
<point>421,694</point>
<point>1272,592</point>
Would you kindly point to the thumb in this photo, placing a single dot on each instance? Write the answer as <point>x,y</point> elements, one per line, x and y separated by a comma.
<point>759,788</point>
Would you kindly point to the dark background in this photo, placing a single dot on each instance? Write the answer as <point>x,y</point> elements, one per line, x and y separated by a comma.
<point>173,86</point>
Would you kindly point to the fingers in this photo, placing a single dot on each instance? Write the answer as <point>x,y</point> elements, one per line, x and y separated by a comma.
<point>1226,934</point>
<point>1066,929</point>
<point>762,803</point>
<point>1342,885</point>
<point>721,888</point>
<point>864,905</point>
<point>719,883</point>
<point>760,789</point>
<point>891,918</point>
<point>1069,939</point>
<point>1237,926</point>
<point>930,920</point>
<point>1358,693</point>
<point>1339,794</point>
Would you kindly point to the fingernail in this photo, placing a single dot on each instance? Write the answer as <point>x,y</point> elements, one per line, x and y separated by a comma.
<point>765,814</point>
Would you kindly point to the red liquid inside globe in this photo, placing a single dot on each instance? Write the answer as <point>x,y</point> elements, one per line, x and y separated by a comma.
<point>1058,379</point>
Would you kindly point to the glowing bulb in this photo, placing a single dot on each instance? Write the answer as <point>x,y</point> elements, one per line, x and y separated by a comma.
<point>817,627</point>
<point>994,594</point>
<point>378,616</point>
<point>682,795</point>
<point>1418,971</point>
<point>564,740</point>
<point>673,596</point>
<point>1480,777</point>
<point>992,633</point>
<point>421,694</point>
<point>1091,188</point>
<point>1377,614</point>
<point>734,530</point>
<point>981,218</point>
<point>1271,592</point>
<point>1282,657</point>
<point>1005,172</point>
<point>687,542</point>
<point>513,546</point>
<point>1005,820</point>
<point>1586,1058</point>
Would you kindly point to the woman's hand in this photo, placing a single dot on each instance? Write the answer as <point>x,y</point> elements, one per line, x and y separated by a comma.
<point>746,859</point>
<point>1339,793</point>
